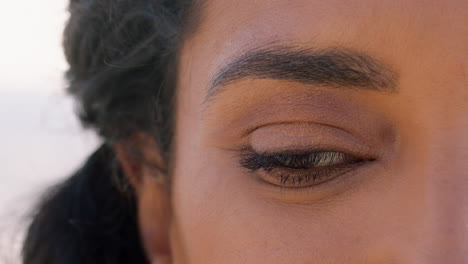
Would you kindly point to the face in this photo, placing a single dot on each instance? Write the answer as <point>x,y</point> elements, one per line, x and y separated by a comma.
<point>321,132</point>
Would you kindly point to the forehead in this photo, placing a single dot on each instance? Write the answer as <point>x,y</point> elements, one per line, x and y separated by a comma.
<point>288,18</point>
<point>391,30</point>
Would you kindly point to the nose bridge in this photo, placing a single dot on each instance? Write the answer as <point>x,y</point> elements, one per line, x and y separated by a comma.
<point>446,177</point>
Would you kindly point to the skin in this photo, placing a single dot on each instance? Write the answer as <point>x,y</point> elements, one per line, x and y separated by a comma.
<point>408,205</point>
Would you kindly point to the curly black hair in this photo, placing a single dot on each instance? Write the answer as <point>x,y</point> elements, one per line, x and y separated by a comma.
<point>123,58</point>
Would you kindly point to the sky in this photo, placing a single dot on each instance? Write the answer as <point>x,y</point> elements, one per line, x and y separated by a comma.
<point>30,51</point>
<point>41,141</point>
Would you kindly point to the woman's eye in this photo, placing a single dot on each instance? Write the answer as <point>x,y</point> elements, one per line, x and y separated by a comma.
<point>299,170</point>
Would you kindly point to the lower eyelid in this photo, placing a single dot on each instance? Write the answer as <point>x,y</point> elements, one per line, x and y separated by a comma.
<point>350,181</point>
<point>281,179</point>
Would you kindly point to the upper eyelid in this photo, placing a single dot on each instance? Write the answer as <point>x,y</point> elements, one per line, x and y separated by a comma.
<point>296,150</point>
<point>307,136</point>
<point>250,130</point>
<point>254,161</point>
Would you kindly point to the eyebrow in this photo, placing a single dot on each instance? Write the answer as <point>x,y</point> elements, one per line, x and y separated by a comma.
<point>335,68</point>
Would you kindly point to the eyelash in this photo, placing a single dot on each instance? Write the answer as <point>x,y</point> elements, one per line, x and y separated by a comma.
<point>298,170</point>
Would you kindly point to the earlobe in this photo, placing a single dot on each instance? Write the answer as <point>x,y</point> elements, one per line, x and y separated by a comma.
<point>144,171</point>
<point>154,219</point>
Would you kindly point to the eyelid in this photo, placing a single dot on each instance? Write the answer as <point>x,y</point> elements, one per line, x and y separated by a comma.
<point>306,179</point>
<point>248,156</point>
<point>272,168</point>
<point>307,137</point>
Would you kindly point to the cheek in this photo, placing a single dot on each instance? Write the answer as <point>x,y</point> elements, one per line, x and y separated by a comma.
<point>221,218</point>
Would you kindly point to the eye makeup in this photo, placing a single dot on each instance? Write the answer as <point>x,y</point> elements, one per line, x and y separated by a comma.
<point>234,118</point>
<point>299,170</point>
<point>299,155</point>
<point>290,141</point>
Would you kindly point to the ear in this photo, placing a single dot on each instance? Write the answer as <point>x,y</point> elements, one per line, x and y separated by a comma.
<point>143,167</point>
<point>138,156</point>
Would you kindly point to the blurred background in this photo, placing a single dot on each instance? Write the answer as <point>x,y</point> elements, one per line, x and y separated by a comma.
<point>41,141</point>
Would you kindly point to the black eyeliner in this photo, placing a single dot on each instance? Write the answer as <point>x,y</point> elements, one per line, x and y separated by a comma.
<point>305,160</point>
